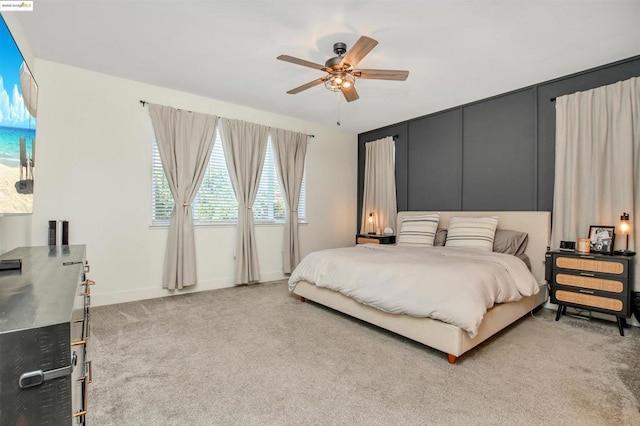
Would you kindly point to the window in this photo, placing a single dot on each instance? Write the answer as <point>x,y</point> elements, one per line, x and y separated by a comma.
<point>215,201</point>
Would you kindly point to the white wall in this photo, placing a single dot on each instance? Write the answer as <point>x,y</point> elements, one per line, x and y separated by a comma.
<point>15,231</point>
<point>94,169</point>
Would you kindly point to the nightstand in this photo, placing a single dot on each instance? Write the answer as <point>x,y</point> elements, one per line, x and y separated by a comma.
<point>375,239</point>
<point>593,282</point>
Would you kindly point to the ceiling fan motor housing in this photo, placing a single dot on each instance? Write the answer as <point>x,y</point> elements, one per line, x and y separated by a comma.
<point>339,48</point>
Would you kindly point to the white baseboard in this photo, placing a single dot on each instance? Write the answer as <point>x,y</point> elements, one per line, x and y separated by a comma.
<point>110,298</point>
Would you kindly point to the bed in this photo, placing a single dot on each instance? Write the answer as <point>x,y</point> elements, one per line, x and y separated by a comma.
<point>443,336</point>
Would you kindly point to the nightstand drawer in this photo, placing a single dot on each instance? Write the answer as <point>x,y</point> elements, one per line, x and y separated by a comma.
<point>589,282</point>
<point>364,240</point>
<point>612,267</point>
<point>375,239</point>
<point>589,300</point>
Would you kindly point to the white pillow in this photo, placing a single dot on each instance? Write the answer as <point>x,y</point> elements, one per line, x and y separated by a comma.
<point>472,232</point>
<point>418,230</point>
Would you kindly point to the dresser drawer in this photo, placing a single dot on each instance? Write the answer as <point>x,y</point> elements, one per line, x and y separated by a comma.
<point>590,301</point>
<point>596,266</point>
<point>589,281</point>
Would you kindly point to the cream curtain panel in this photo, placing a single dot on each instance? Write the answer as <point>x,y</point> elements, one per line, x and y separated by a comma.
<point>379,194</point>
<point>185,140</point>
<point>290,152</point>
<point>245,146</point>
<point>597,171</point>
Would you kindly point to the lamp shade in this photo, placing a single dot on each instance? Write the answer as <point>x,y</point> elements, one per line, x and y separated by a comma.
<point>624,223</point>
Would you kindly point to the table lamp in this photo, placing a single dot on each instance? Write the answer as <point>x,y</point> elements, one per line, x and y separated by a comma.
<point>371,226</point>
<point>624,229</point>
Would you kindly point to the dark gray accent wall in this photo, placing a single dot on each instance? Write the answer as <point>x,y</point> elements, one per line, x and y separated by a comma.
<point>497,153</point>
<point>434,168</point>
<point>493,154</point>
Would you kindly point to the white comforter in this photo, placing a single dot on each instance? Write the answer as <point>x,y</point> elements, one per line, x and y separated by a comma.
<point>453,285</point>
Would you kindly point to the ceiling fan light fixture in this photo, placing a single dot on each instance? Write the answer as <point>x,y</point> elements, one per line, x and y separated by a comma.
<point>337,82</point>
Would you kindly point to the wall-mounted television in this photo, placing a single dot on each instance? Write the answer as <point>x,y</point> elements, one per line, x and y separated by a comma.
<point>18,111</point>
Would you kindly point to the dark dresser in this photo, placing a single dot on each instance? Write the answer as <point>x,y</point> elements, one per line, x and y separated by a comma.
<point>594,282</point>
<point>44,327</point>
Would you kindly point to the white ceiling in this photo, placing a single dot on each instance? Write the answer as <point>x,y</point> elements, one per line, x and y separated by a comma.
<point>456,51</point>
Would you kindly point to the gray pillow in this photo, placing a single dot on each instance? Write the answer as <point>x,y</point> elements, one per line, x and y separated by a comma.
<point>441,237</point>
<point>525,259</point>
<point>510,242</point>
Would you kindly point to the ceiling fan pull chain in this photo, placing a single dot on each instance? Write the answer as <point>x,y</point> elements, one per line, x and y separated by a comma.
<point>337,109</point>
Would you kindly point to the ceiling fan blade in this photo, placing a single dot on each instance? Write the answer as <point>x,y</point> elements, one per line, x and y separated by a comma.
<point>359,51</point>
<point>302,62</point>
<point>350,93</point>
<point>382,74</point>
<point>306,86</point>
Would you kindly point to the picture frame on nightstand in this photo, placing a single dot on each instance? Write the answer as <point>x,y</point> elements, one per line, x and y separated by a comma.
<point>601,239</point>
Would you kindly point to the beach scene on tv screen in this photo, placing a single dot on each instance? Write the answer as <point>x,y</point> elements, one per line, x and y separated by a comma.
<point>18,110</point>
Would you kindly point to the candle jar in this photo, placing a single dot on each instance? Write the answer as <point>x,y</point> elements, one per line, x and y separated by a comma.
<point>584,245</point>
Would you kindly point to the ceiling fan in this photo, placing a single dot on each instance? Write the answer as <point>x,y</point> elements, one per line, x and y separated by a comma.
<point>341,74</point>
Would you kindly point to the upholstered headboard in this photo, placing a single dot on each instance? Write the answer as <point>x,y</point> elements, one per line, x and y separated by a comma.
<point>536,224</point>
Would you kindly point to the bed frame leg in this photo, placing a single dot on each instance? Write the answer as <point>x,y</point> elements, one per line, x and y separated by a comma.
<point>452,358</point>
<point>302,299</point>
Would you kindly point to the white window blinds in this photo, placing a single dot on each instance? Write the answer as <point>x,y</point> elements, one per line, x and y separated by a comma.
<point>215,201</point>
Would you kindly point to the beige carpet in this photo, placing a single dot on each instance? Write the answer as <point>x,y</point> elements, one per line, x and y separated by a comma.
<point>257,356</point>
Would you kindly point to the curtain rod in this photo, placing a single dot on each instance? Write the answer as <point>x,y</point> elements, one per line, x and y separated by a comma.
<point>144,103</point>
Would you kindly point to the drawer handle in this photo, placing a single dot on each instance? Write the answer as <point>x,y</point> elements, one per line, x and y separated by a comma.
<point>587,257</point>
<point>37,377</point>
<point>79,343</point>
<point>587,291</point>
<point>585,274</point>
<point>87,330</point>
<point>87,283</point>
<point>90,369</point>
<point>80,413</point>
